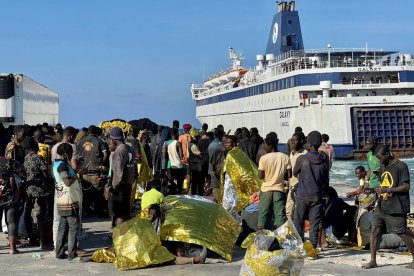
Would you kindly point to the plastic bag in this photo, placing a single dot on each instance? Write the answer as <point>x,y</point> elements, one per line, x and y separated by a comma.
<point>285,261</point>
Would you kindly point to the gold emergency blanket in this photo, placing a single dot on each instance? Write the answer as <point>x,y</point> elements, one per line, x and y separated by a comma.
<point>144,170</point>
<point>136,245</point>
<point>243,173</point>
<point>259,261</point>
<point>193,219</point>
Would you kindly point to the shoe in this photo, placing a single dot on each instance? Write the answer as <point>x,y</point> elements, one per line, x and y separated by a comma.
<point>313,258</point>
<point>203,255</point>
<point>62,257</point>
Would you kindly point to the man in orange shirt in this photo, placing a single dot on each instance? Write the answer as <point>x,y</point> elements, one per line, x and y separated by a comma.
<point>185,140</point>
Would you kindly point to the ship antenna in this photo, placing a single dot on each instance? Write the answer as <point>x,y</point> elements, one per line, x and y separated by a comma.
<point>235,58</point>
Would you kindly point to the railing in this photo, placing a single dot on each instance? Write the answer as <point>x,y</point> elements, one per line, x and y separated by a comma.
<point>301,60</point>
<point>341,50</point>
<point>352,82</point>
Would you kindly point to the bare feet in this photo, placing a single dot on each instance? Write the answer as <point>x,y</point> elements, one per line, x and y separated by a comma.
<point>13,252</point>
<point>410,266</point>
<point>371,264</point>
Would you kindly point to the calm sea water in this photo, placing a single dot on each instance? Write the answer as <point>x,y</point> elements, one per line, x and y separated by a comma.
<point>343,171</point>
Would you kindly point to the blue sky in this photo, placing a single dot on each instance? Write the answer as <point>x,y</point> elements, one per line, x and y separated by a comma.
<point>136,59</point>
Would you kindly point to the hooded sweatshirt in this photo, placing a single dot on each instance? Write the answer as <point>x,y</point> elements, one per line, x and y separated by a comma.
<point>312,170</point>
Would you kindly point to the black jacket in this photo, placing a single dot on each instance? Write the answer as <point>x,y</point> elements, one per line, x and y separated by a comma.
<point>312,169</point>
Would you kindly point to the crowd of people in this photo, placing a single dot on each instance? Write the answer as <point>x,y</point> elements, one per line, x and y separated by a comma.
<point>55,176</point>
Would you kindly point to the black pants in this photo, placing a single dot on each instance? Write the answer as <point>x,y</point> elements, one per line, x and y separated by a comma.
<point>313,210</point>
<point>178,176</point>
<point>93,197</point>
<point>12,219</point>
<point>40,216</point>
<point>68,227</point>
<point>197,183</point>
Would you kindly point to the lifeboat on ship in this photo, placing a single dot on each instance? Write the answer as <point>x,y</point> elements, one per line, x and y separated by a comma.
<point>232,74</point>
<point>208,84</point>
<point>223,78</point>
<point>215,81</point>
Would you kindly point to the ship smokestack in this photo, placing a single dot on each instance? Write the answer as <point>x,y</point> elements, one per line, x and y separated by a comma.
<point>285,33</point>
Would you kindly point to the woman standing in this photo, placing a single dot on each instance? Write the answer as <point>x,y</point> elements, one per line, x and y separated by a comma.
<point>36,202</point>
<point>9,196</point>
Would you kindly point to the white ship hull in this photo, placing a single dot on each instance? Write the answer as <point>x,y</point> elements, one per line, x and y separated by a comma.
<point>349,94</point>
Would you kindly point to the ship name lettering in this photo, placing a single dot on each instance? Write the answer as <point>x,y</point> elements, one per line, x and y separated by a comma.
<point>369,69</point>
<point>284,114</point>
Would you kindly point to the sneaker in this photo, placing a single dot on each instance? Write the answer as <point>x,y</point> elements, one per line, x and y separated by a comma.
<point>74,260</point>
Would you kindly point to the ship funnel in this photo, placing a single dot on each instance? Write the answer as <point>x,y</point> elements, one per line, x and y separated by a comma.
<point>285,33</point>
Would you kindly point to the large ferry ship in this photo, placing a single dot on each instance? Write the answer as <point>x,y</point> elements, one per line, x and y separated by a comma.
<point>349,94</point>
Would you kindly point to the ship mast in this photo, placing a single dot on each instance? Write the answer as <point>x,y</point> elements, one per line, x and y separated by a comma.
<point>235,58</point>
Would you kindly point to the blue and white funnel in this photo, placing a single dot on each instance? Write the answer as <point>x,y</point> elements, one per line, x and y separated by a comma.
<point>285,32</point>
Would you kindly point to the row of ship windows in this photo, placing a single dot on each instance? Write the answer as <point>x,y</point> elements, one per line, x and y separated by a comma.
<point>286,83</point>
<point>270,87</point>
<point>261,102</point>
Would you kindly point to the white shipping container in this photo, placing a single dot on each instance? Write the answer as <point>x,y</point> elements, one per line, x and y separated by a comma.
<point>25,101</point>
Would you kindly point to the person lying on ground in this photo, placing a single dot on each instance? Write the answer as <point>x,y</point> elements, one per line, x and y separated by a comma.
<point>154,215</point>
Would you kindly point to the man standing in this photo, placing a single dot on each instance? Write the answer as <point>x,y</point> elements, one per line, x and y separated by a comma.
<point>238,177</point>
<point>203,130</point>
<point>93,153</point>
<point>393,204</point>
<point>272,169</point>
<point>372,178</point>
<point>313,171</point>
<point>14,150</point>
<point>155,141</point>
<point>246,145</point>
<point>173,154</point>
<point>68,198</point>
<point>255,137</point>
<point>44,149</point>
<point>68,137</point>
<point>124,173</point>
<point>296,141</point>
<point>327,149</point>
<point>185,140</point>
<point>202,145</point>
<point>216,159</point>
